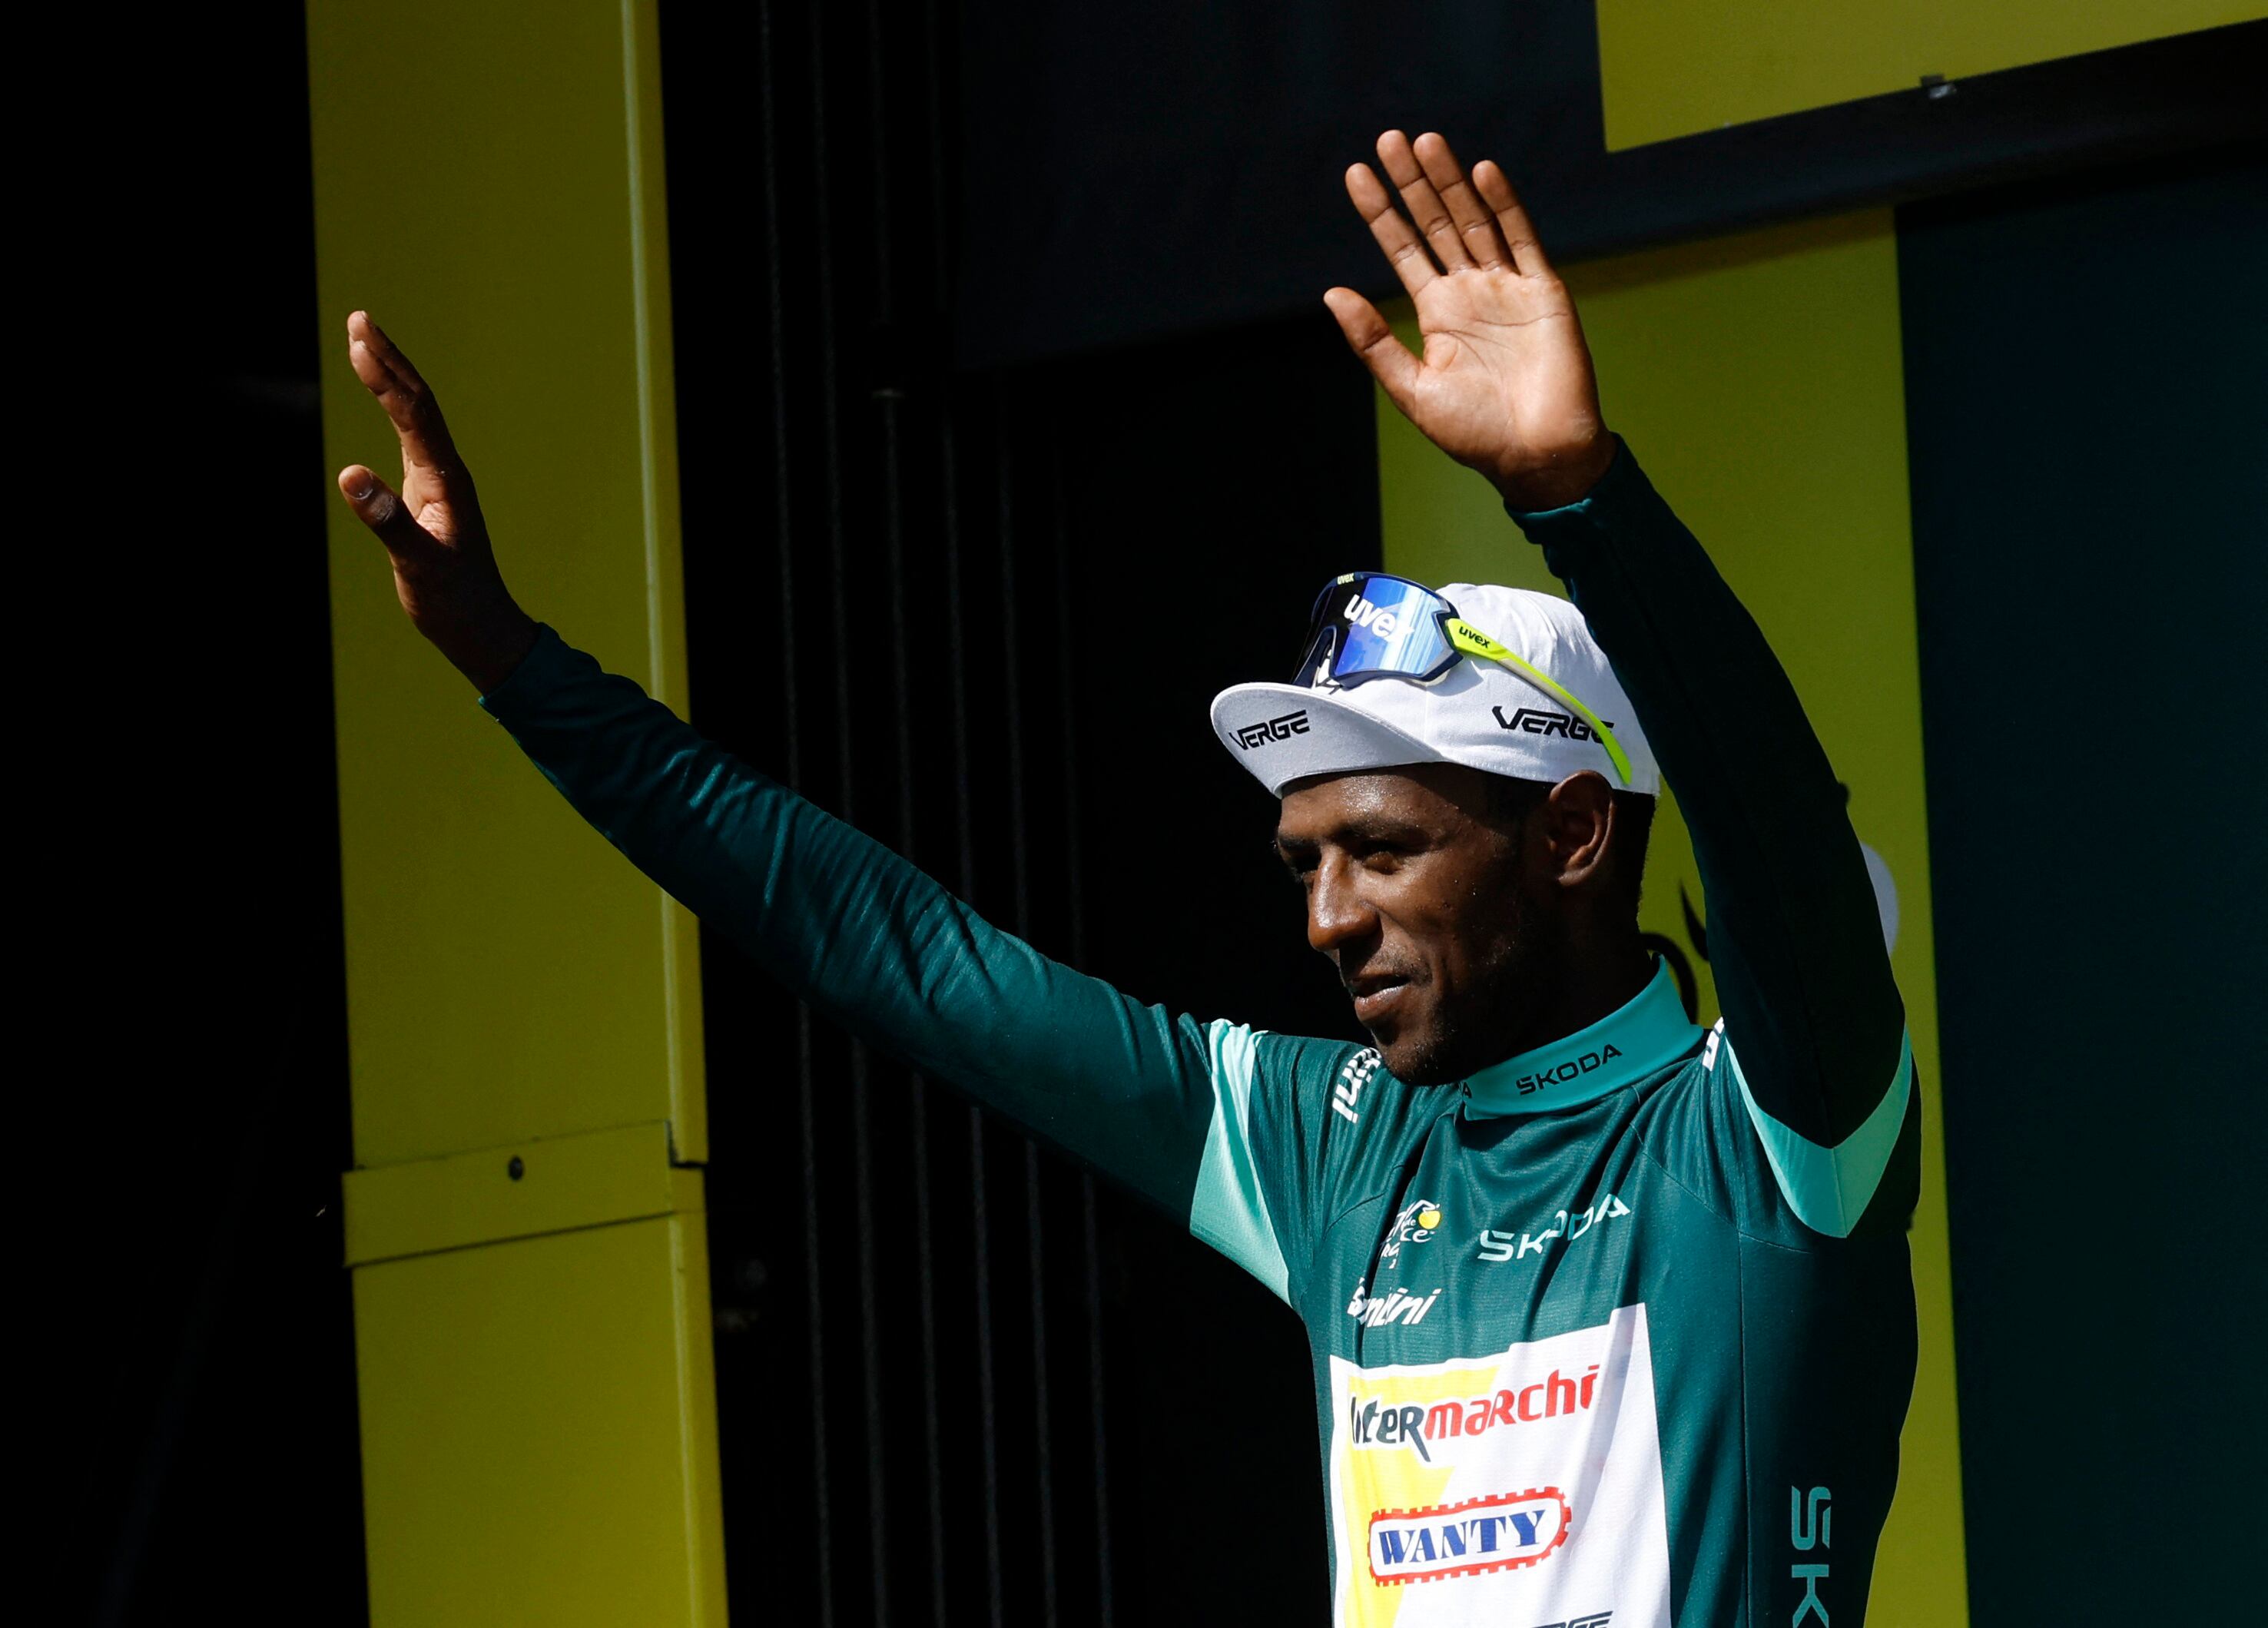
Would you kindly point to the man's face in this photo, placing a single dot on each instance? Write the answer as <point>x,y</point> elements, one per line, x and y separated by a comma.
<point>1416,892</point>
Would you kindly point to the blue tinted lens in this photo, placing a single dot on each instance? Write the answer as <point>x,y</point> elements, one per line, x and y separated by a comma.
<point>1377,626</point>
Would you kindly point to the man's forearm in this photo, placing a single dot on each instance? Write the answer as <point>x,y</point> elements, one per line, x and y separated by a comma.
<point>864,936</point>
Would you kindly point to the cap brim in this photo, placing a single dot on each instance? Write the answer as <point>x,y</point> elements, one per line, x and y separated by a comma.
<point>1282,733</point>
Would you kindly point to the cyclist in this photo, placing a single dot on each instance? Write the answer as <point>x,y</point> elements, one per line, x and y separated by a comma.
<point>1611,1318</point>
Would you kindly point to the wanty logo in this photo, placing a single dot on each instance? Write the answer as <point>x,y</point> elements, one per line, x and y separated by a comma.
<point>1419,1428</point>
<point>1498,1534</point>
<point>1539,721</point>
<point>1417,1223</point>
<point>1272,729</point>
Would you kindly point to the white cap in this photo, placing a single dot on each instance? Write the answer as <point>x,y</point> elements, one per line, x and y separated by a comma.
<point>1482,713</point>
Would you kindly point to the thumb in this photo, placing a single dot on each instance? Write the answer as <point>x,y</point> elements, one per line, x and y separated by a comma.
<point>379,506</point>
<point>1370,337</point>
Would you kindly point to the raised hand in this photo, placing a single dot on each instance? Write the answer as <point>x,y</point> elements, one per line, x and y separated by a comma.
<point>1505,385</point>
<point>444,571</point>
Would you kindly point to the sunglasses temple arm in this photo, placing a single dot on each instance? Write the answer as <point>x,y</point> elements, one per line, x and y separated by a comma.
<point>1559,692</point>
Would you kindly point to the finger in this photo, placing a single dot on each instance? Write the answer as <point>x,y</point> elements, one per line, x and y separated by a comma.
<point>1475,225</point>
<point>1369,337</point>
<point>409,401</point>
<point>1519,236</point>
<point>1412,263</point>
<point>379,506</point>
<point>1423,204</point>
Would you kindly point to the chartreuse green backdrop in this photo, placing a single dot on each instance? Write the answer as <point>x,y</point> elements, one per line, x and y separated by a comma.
<point>1759,378</point>
<point>525,1219</point>
<point>1670,68</point>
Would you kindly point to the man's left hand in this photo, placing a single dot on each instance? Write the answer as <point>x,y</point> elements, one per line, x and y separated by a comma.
<point>1505,385</point>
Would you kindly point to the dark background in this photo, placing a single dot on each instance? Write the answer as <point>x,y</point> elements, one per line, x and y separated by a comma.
<point>2084,361</point>
<point>183,830</point>
<point>987,322</point>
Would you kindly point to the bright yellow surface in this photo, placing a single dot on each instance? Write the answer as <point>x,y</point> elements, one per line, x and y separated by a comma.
<point>421,1205</point>
<point>511,1395</point>
<point>1671,68</point>
<point>1759,380</point>
<point>538,1409</point>
<point>488,183</point>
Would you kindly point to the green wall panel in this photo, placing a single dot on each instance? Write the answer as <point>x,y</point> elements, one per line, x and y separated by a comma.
<point>2084,367</point>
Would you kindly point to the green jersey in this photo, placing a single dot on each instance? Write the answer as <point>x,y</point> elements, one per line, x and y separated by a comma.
<point>1619,1332</point>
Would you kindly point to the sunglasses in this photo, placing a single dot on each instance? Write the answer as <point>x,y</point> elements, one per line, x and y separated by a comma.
<point>1368,625</point>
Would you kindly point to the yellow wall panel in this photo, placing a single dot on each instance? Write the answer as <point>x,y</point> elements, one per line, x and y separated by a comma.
<point>1759,381</point>
<point>488,183</point>
<point>525,1413</point>
<point>531,1283</point>
<point>1669,67</point>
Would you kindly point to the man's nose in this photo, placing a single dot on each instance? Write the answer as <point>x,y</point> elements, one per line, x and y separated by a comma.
<point>1336,912</point>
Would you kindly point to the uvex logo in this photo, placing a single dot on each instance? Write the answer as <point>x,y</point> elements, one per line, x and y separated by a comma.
<point>1363,613</point>
<point>1537,721</point>
<point>1272,729</point>
<point>1560,1073</point>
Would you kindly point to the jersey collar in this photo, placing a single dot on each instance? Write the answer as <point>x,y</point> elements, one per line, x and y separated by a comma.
<point>1636,1039</point>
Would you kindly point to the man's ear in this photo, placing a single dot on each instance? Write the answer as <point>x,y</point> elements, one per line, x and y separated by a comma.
<point>1577,825</point>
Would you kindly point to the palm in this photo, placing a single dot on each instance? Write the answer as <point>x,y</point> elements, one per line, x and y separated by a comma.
<point>1505,384</point>
<point>434,531</point>
<point>1505,376</point>
<point>424,495</point>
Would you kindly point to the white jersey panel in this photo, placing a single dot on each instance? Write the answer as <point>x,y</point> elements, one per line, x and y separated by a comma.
<point>1502,1491</point>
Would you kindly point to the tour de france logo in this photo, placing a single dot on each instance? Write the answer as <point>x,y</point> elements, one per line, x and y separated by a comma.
<point>1415,1223</point>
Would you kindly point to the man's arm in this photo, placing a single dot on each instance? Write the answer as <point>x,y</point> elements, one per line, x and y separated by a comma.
<point>1814,1028</point>
<point>1505,386</point>
<point>1162,1102</point>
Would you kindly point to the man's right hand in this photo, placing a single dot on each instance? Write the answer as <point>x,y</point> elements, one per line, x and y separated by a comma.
<point>444,570</point>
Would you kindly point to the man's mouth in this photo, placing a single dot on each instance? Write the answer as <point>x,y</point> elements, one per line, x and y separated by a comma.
<point>1376,995</point>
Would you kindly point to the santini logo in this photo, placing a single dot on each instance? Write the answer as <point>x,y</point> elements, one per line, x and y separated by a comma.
<point>1273,729</point>
<point>1497,1534</point>
<point>1371,1310</point>
<point>1537,721</point>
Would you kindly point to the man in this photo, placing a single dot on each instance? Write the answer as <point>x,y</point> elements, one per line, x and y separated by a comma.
<point>1611,1319</point>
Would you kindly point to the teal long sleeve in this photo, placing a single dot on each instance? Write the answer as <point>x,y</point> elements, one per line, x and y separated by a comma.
<point>864,937</point>
<point>1793,937</point>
